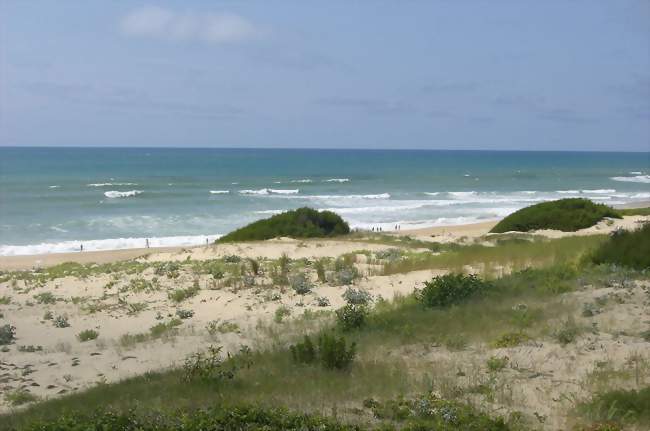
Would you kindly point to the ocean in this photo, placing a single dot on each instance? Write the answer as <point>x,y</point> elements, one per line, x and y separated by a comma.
<point>54,199</point>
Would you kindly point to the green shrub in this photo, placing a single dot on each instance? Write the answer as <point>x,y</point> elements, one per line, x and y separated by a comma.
<point>331,351</point>
<point>300,283</point>
<point>334,352</point>
<point>351,317</point>
<point>495,363</point>
<point>450,289</point>
<point>7,334</point>
<point>280,313</point>
<point>180,295</point>
<point>5,300</point>
<point>300,223</point>
<point>61,321</point>
<point>45,298</point>
<point>305,352</point>
<point>161,329</point>
<point>568,215</point>
<point>207,366</point>
<point>626,248</point>
<point>184,314</point>
<point>319,265</point>
<point>87,335</point>
<point>510,339</point>
<point>357,296</point>
<point>567,333</point>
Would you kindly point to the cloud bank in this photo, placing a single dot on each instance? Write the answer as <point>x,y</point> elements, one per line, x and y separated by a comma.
<point>214,28</point>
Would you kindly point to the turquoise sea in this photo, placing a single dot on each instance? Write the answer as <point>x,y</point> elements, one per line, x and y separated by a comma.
<point>53,199</point>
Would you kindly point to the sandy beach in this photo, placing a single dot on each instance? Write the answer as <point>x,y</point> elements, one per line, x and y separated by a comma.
<point>124,307</point>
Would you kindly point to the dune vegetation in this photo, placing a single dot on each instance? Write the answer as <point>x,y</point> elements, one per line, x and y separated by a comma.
<point>626,248</point>
<point>567,215</point>
<point>299,223</point>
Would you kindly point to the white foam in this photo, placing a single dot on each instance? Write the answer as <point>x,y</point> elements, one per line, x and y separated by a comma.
<point>104,244</point>
<point>634,179</point>
<point>462,194</point>
<point>432,193</point>
<point>115,194</point>
<point>110,184</point>
<point>304,180</point>
<point>270,191</point>
<point>53,187</point>
<point>219,192</point>
<point>599,191</point>
<point>337,180</point>
<point>635,173</point>
<point>568,192</point>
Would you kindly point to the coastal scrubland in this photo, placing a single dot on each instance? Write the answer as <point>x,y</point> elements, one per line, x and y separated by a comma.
<point>299,223</point>
<point>361,332</point>
<point>568,215</point>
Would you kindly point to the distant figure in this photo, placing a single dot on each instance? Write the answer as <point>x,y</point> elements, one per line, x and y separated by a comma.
<point>147,242</point>
<point>380,229</point>
<point>81,247</point>
<point>206,242</point>
<point>373,228</point>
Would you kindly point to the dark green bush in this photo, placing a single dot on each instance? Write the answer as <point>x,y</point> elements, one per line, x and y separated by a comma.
<point>626,248</point>
<point>331,351</point>
<point>305,352</point>
<point>567,215</point>
<point>7,334</point>
<point>351,316</point>
<point>300,223</point>
<point>334,352</point>
<point>450,289</point>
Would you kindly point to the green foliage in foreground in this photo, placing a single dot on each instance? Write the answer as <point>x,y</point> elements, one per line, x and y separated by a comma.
<point>623,406</point>
<point>634,211</point>
<point>626,248</point>
<point>425,413</point>
<point>567,215</point>
<point>300,223</point>
<point>450,289</point>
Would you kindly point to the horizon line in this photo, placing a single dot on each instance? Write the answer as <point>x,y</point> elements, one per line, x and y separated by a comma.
<point>320,149</point>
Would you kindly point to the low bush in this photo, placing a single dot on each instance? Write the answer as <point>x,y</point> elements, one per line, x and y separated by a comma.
<point>450,289</point>
<point>510,339</point>
<point>567,215</point>
<point>7,334</point>
<point>87,335</point>
<point>300,283</point>
<point>495,363</point>
<point>626,248</point>
<point>331,351</point>
<point>61,321</point>
<point>280,313</point>
<point>305,352</point>
<point>334,352</point>
<point>208,366</point>
<point>45,298</point>
<point>351,317</point>
<point>300,223</point>
<point>180,295</point>
<point>357,296</point>
<point>184,314</point>
<point>19,397</point>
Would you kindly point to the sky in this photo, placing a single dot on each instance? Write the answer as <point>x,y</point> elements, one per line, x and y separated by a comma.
<point>497,74</point>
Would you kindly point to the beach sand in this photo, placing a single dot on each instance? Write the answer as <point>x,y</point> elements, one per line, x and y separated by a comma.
<point>109,304</point>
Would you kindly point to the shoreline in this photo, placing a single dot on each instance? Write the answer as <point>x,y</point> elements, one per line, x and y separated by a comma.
<point>435,233</point>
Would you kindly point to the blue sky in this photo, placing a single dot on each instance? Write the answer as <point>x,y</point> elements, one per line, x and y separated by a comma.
<point>525,75</point>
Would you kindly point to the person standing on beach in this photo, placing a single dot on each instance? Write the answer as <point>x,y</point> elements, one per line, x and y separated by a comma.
<point>147,242</point>
<point>81,247</point>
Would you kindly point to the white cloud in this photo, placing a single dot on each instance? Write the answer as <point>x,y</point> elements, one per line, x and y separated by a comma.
<point>158,23</point>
